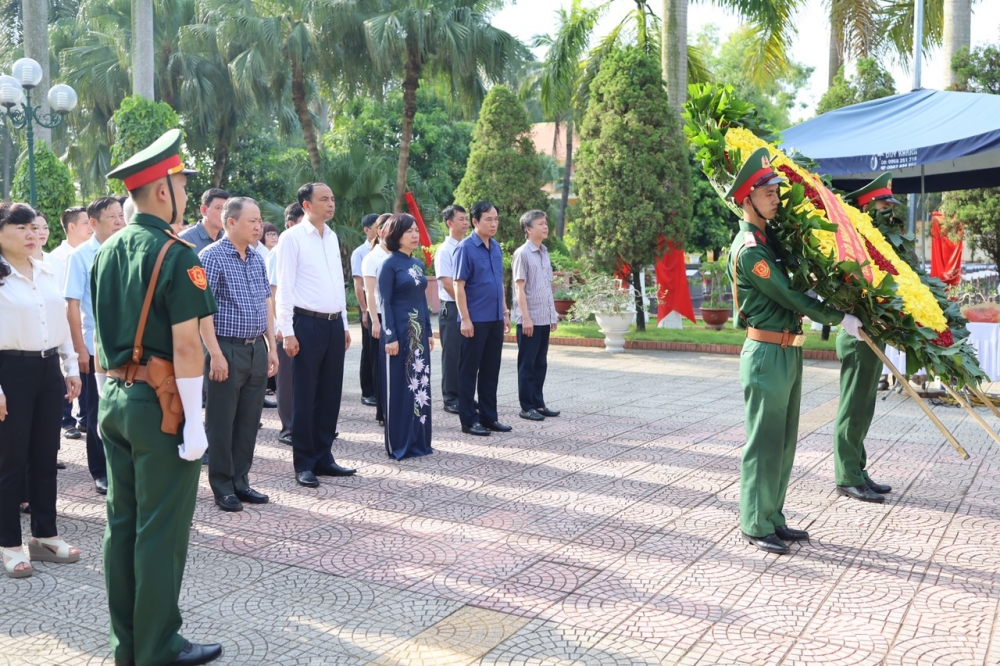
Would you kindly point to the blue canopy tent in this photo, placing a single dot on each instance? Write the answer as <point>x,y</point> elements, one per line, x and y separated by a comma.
<point>932,140</point>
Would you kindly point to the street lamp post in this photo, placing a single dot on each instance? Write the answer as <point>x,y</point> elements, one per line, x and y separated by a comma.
<point>16,90</point>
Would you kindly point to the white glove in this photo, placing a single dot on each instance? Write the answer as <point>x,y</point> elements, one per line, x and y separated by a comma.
<point>195,443</point>
<point>852,325</point>
<point>100,378</point>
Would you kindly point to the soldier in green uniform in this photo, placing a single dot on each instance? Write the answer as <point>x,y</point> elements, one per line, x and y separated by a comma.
<point>765,304</point>
<point>860,370</point>
<point>153,475</point>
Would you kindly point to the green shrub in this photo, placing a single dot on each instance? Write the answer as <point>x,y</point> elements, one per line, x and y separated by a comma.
<point>138,122</point>
<point>53,185</point>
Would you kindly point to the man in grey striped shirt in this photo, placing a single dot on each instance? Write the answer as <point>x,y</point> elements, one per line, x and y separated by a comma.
<point>534,313</point>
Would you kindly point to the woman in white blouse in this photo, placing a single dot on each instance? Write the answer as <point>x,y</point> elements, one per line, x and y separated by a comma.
<point>34,336</point>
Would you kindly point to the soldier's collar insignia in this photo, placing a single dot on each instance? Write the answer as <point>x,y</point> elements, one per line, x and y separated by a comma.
<point>760,236</point>
<point>198,277</point>
<point>762,269</point>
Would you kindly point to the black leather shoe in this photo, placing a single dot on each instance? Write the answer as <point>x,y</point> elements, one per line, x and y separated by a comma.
<point>769,544</point>
<point>451,409</point>
<point>270,403</point>
<point>370,401</point>
<point>60,465</point>
<point>307,479</point>
<point>195,654</point>
<point>251,496</point>
<point>476,429</point>
<point>863,493</point>
<point>229,503</point>
<point>545,411</point>
<point>285,438</point>
<point>334,469</point>
<point>82,428</point>
<point>880,488</point>
<point>101,485</point>
<point>531,415</point>
<point>496,426</point>
<point>883,384</point>
<point>786,533</point>
<point>72,433</point>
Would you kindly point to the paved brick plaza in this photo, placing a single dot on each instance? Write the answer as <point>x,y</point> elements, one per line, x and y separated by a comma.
<point>606,536</point>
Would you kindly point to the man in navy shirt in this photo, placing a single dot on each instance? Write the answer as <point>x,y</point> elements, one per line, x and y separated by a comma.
<point>482,307</point>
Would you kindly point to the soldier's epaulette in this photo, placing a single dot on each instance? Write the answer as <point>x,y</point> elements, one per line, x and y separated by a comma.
<point>177,238</point>
<point>749,240</point>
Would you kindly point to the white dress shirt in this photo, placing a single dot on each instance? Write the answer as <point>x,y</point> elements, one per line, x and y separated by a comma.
<point>310,274</point>
<point>444,266</point>
<point>34,315</point>
<point>59,259</point>
<point>370,266</point>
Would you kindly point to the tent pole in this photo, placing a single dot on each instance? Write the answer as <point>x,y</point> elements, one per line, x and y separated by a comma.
<point>918,34</point>
<point>923,215</point>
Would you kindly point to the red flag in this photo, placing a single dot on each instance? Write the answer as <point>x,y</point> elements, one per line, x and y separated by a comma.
<point>425,238</point>
<point>672,289</point>
<point>946,255</point>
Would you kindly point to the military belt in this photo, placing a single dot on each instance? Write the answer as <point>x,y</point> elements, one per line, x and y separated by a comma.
<point>318,315</point>
<point>140,374</point>
<point>785,339</point>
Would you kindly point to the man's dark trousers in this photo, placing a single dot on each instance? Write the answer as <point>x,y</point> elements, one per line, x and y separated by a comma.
<point>451,351</point>
<point>232,415</point>
<point>96,460</point>
<point>532,364</point>
<point>318,384</point>
<point>479,373</point>
<point>284,394</point>
<point>369,354</point>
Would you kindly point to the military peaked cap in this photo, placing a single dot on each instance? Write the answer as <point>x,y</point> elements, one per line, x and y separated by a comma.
<point>879,189</point>
<point>755,172</point>
<point>159,160</point>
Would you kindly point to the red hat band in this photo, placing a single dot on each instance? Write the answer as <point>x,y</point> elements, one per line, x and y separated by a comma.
<point>865,199</point>
<point>159,170</point>
<point>750,183</point>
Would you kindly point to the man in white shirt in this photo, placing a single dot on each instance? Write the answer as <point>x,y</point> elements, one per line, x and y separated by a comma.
<point>106,219</point>
<point>457,221</point>
<point>369,352</point>
<point>284,393</point>
<point>74,222</point>
<point>312,317</point>
<point>370,266</point>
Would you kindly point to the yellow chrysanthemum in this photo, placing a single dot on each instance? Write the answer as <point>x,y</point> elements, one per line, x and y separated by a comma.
<point>918,300</point>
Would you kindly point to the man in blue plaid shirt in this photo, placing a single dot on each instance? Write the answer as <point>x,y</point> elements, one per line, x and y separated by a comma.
<point>238,361</point>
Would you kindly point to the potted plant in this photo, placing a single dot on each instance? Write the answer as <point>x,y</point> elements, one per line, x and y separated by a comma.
<point>564,298</point>
<point>612,303</point>
<point>715,310</point>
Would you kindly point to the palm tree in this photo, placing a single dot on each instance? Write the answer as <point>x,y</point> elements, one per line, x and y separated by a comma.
<point>143,66</point>
<point>957,35</point>
<point>417,39</point>
<point>35,17</point>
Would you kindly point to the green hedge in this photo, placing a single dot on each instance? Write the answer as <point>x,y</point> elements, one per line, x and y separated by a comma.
<point>53,186</point>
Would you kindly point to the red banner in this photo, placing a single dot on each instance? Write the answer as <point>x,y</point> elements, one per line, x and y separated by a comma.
<point>673,293</point>
<point>850,245</point>
<point>425,238</point>
<point>946,255</point>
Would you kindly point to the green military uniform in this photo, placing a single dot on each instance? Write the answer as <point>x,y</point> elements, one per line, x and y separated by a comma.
<point>151,490</point>
<point>860,367</point>
<point>771,374</point>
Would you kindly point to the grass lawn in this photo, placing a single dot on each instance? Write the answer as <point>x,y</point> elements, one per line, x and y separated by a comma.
<point>695,333</point>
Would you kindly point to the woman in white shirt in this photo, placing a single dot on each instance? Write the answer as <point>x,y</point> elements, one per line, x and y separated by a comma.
<point>34,337</point>
<point>369,274</point>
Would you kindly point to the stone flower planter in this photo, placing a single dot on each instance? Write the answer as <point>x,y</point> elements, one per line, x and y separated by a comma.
<point>614,327</point>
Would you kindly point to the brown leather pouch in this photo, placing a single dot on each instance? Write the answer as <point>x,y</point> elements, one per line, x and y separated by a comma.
<point>160,373</point>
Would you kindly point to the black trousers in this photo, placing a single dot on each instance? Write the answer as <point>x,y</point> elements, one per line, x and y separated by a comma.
<point>369,362</point>
<point>378,376</point>
<point>97,464</point>
<point>451,350</point>
<point>285,393</point>
<point>29,438</point>
<point>317,385</point>
<point>479,373</point>
<point>232,415</point>
<point>532,364</point>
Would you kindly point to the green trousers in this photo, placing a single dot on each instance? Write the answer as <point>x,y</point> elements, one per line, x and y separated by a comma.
<point>772,392</point>
<point>151,498</point>
<point>860,370</point>
<point>232,415</point>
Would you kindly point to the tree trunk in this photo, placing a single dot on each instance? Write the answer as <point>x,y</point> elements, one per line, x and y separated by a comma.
<point>301,105</point>
<point>673,51</point>
<point>35,15</point>
<point>143,63</point>
<point>222,142</point>
<point>957,33</point>
<point>567,174</point>
<point>836,55</point>
<point>410,85</point>
<point>640,306</point>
